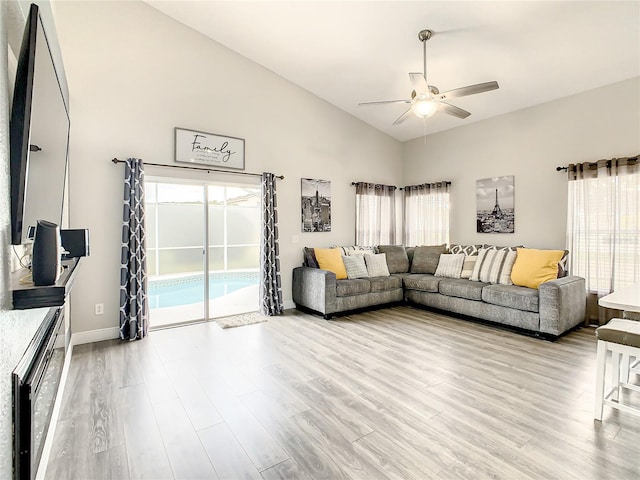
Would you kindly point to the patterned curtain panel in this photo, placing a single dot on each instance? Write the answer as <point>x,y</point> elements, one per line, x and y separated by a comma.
<point>133,258</point>
<point>270,286</point>
<point>603,227</point>
<point>426,214</point>
<point>375,214</point>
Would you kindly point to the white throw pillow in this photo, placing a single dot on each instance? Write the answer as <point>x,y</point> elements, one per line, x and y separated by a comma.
<point>377,265</point>
<point>450,265</point>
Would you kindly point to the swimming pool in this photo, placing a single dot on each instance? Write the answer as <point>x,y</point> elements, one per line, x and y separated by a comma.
<point>173,292</point>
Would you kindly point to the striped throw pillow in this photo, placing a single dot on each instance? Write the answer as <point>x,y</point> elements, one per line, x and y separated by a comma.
<point>355,267</point>
<point>450,265</point>
<point>494,266</point>
<point>467,266</point>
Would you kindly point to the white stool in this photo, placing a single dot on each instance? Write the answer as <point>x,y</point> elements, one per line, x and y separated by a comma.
<point>621,337</point>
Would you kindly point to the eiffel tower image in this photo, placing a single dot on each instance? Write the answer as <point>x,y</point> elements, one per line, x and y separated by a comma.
<point>497,212</point>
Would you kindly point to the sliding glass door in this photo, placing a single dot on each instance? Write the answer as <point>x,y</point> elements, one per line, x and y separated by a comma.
<point>179,226</point>
<point>234,249</point>
<point>175,233</point>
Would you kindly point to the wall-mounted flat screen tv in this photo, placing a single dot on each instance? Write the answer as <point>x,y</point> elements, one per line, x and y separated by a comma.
<point>39,134</point>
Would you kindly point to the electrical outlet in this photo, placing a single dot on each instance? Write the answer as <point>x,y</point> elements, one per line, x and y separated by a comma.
<point>99,308</point>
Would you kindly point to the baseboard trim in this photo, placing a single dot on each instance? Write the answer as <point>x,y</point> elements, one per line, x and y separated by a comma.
<point>91,336</point>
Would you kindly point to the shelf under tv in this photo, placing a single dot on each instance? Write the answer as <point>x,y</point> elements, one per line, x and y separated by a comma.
<point>27,296</point>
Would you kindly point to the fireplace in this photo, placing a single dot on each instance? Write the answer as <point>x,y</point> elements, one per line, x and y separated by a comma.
<point>35,386</point>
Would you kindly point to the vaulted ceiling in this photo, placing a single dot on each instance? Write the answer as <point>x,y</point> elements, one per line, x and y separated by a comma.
<point>348,52</point>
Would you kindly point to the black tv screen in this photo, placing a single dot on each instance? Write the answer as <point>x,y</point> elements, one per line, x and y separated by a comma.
<point>39,134</point>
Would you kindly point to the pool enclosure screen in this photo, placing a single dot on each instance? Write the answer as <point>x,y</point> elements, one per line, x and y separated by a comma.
<point>203,250</point>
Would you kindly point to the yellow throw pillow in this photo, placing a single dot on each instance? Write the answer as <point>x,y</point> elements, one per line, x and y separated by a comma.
<point>331,259</point>
<point>533,267</point>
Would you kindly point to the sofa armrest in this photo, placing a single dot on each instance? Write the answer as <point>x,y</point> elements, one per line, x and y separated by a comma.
<point>562,304</point>
<point>315,289</point>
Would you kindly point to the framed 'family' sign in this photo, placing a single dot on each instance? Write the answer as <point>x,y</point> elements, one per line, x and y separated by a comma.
<point>209,149</point>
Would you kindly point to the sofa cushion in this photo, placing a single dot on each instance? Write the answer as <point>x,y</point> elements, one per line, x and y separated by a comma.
<point>377,265</point>
<point>397,259</point>
<point>534,267</point>
<point>422,282</point>
<point>460,287</point>
<point>426,258</point>
<point>355,266</point>
<point>512,296</point>
<point>410,251</point>
<point>358,286</point>
<point>330,259</point>
<point>382,284</point>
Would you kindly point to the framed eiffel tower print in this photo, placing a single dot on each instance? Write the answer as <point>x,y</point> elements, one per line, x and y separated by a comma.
<point>495,205</point>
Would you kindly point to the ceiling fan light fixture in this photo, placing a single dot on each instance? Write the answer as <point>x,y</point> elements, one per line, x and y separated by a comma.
<point>423,106</point>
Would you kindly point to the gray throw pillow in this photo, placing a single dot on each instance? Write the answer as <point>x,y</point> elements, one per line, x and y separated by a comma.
<point>426,258</point>
<point>397,259</point>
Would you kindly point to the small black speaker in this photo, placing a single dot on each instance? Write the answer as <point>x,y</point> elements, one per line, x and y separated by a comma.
<point>45,258</point>
<point>75,243</point>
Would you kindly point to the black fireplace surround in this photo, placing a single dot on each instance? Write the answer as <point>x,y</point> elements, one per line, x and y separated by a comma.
<point>35,385</point>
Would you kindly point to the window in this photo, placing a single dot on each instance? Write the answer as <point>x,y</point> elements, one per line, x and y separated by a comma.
<point>426,214</point>
<point>603,225</point>
<point>375,214</point>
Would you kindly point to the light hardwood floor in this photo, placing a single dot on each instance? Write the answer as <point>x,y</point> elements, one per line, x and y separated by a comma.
<point>398,393</point>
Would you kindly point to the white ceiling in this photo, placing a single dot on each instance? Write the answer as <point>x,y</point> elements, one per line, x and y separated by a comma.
<point>348,52</point>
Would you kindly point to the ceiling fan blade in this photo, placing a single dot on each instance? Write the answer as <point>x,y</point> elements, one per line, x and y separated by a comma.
<point>469,90</point>
<point>453,110</point>
<point>419,83</point>
<point>402,117</point>
<point>383,102</point>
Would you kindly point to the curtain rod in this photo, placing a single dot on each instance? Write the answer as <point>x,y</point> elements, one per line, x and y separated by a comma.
<point>208,170</point>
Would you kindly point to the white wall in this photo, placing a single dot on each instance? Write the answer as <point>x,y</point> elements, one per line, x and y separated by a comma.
<point>529,144</point>
<point>17,327</point>
<point>135,74</point>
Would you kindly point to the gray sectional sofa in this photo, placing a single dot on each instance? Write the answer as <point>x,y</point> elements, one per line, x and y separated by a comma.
<point>551,310</point>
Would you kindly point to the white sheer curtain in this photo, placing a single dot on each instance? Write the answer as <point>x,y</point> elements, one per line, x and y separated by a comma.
<point>426,214</point>
<point>375,214</point>
<point>603,224</point>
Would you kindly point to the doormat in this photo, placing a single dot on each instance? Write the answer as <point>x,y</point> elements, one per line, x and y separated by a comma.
<point>241,320</point>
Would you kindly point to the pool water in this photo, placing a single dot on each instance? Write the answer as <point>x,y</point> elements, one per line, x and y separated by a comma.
<point>186,290</point>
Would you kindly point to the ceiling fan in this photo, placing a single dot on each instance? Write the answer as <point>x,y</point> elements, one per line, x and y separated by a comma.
<point>426,99</point>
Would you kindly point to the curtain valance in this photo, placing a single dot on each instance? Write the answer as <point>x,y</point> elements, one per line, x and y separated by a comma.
<point>364,187</point>
<point>427,186</point>
<point>610,167</point>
